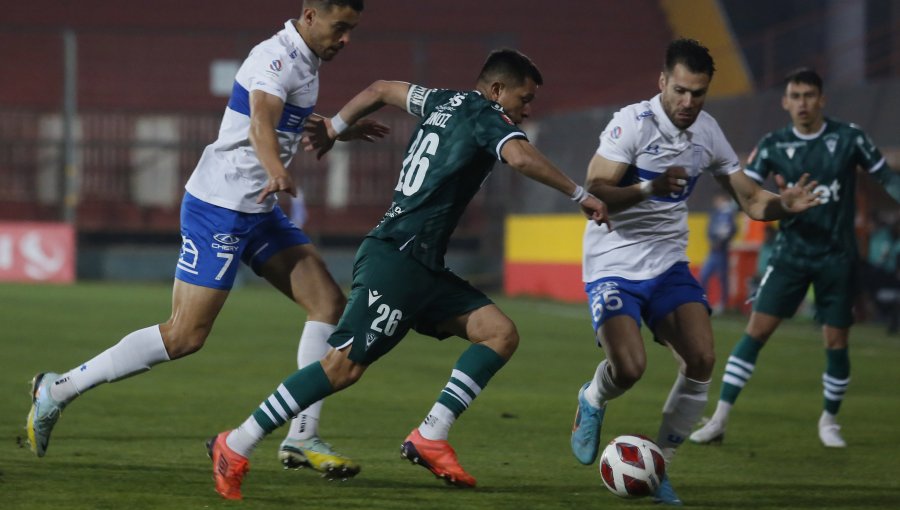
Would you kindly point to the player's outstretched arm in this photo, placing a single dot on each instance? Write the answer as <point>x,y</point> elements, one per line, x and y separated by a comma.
<point>527,160</point>
<point>763,205</point>
<point>321,132</point>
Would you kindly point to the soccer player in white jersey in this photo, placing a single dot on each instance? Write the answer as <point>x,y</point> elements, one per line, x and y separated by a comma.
<point>649,159</point>
<point>229,214</point>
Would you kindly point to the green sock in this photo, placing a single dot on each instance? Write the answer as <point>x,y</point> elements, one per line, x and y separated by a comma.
<point>740,367</point>
<point>471,374</point>
<point>300,390</point>
<point>836,378</point>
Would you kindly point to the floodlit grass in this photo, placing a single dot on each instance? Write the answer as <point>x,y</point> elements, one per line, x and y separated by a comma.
<point>138,443</point>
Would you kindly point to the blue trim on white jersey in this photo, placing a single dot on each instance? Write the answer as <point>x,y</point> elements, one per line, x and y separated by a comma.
<point>292,116</point>
<point>648,175</point>
<point>240,99</point>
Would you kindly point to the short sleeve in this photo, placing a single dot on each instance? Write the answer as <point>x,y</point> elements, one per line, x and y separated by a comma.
<point>269,73</point>
<point>724,160</point>
<point>619,141</point>
<point>869,157</point>
<point>758,167</point>
<point>494,128</point>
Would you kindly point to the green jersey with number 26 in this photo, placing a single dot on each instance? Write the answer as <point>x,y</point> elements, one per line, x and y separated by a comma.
<point>450,154</point>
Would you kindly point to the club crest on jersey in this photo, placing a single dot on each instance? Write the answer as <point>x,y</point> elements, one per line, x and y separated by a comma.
<point>831,141</point>
<point>275,65</point>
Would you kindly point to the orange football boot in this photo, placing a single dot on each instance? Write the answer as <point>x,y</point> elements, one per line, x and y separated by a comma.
<point>436,456</point>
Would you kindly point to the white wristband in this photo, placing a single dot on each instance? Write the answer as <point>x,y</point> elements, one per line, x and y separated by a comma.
<point>338,124</point>
<point>579,194</point>
<point>646,189</point>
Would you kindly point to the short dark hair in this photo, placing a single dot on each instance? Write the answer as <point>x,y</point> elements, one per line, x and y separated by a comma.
<point>511,65</point>
<point>691,54</point>
<point>804,75</point>
<point>356,5</point>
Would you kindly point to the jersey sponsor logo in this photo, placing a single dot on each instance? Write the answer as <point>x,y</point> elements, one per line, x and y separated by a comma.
<point>457,100</point>
<point>227,238</point>
<point>276,65</point>
<point>827,192</point>
<point>225,242</point>
<point>615,133</point>
<point>643,115</point>
<point>374,296</point>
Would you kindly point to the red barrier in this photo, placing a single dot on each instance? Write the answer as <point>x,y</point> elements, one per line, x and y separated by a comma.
<point>37,252</point>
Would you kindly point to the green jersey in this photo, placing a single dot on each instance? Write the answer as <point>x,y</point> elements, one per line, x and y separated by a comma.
<point>448,158</point>
<point>830,157</point>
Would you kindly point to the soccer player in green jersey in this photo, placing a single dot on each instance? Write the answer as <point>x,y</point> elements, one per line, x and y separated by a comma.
<point>400,281</point>
<point>815,248</point>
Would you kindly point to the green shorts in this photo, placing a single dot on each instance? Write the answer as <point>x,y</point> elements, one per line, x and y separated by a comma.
<point>393,293</point>
<point>834,281</point>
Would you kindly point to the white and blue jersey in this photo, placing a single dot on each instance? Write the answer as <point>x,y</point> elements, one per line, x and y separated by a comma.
<point>221,222</point>
<point>229,173</point>
<point>651,236</point>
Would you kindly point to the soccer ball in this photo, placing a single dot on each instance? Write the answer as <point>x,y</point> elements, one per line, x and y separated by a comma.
<point>632,466</point>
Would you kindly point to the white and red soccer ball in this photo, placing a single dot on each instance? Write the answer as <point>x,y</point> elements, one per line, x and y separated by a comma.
<point>632,466</point>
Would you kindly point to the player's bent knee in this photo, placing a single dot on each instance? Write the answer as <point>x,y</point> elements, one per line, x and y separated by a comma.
<point>340,370</point>
<point>180,344</point>
<point>700,365</point>
<point>628,378</point>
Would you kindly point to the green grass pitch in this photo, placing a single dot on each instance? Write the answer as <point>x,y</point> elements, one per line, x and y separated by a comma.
<point>138,443</point>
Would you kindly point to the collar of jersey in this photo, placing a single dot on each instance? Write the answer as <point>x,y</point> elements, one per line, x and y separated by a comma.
<point>665,124</point>
<point>290,28</point>
<point>811,136</point>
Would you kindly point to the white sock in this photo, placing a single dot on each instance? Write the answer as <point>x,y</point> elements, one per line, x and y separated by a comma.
<point>602,388</point>
<point>135,353</point>
<point>313,347</point>
<point>682,411</point>
<point>721,414</point>
<point>436,426</point>
<point>243,439</point>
